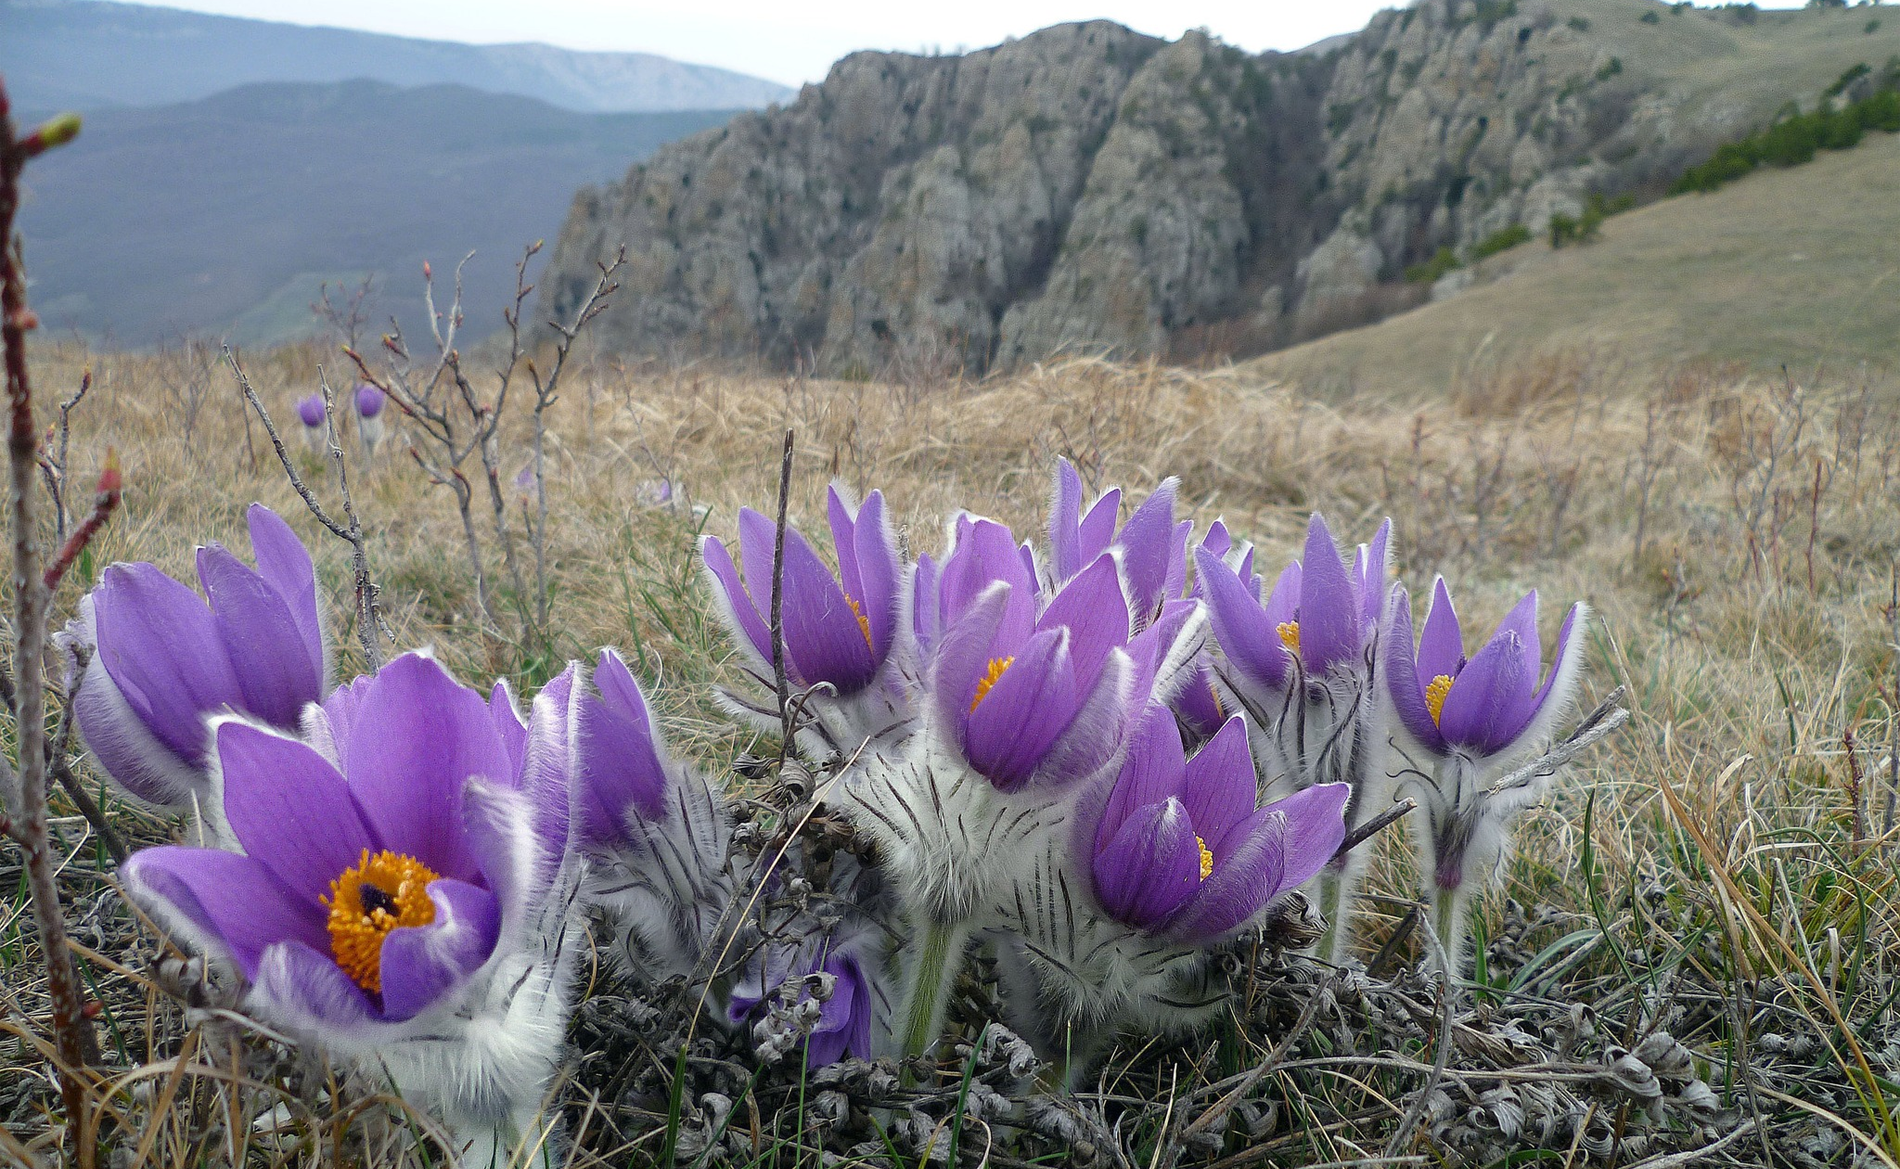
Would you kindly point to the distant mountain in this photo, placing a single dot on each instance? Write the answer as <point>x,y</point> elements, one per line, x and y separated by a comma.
<point>1086,187</point>
<point>88,53</point>
<point>224,215</point>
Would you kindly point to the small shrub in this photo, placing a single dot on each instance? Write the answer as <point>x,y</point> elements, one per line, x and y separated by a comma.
<point>1650,18</point>
<point>1501,240</point>
<point>1873,26</point>
<point>1611,69</point>
<point>1580,23</point>
<point>1442,262</point>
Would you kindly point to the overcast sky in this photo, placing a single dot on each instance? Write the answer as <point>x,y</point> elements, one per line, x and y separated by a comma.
<point>797,40</point>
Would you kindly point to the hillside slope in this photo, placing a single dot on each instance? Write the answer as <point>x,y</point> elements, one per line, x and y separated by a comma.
<point>91,53</point>
<point>1090,188</point>
<point>225,215</point>
<point>1795,266</point>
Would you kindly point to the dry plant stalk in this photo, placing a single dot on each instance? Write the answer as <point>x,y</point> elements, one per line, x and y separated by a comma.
<point>72,1034</point>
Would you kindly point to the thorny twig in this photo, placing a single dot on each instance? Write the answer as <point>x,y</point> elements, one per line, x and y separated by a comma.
<point>105,502</point>
<point>71,1032</point>
<point>368,615</point>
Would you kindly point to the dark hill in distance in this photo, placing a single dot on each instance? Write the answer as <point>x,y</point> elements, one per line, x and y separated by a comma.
<point>87,54</point>
<point>224,215</point>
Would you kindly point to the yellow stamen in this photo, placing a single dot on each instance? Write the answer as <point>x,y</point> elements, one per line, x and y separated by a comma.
<point>864,623</point>
<point>381,893</point>
<point>1435,692</point>
<point>990,676</point>
<point>1207,859</point>
<point>1289,632</point>
<point>1220,708</point>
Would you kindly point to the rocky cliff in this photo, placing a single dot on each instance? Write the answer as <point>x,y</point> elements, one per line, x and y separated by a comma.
<point>1089,187</point>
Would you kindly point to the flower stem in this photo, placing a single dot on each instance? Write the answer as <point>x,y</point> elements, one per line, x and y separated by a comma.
<point>1448,922</point>
<point>938,962</point>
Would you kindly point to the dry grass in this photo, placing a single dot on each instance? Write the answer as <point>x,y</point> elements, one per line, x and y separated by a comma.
<point>1717,843</point>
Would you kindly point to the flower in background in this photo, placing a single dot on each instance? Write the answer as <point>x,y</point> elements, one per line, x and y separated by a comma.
<point>1304,666</point>
<point>404,895</point>
<point>1153,547</point>
<point>1472,719</point>
<point>841,631</point>
<point>162,662</point>
<point>369,416</point>
<point>829,998</point>
<point>311,412</point>
<point>660,834</point>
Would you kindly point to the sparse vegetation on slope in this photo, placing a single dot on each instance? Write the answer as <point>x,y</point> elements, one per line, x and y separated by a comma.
<point>1736,534</point>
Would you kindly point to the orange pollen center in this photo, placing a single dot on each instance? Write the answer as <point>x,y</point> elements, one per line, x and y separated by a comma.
<point>1207,858</point>
<point>1220,708</point>
<point>997,666</point>
<point>1289,632</point>
<point>864,623</point>
<point>381,893</point>
<point>1435,692</point>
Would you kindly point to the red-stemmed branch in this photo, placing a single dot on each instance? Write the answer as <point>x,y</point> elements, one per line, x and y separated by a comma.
<point>27,825</point>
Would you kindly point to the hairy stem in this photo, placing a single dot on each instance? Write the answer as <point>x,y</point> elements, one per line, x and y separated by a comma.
<point>939,960</point>
<point>1448,924</point>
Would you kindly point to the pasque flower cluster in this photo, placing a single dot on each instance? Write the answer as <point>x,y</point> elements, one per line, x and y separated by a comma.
<point>1104,760</point>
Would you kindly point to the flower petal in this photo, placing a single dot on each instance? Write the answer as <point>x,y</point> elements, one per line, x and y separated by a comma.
<point>822,634</point>
<point>226,900</point>
<point>1220,786</point>
<point>302,985</point>
<point>1241,627</point>
<point>120,741</point>
<point>421,964</point>
<point>1441,644</point>
<point>290,809</point>
<point>742,616</point>
<point>274,670</point>
<point>621,768</point>
<point>417,738</point>
<point>283,561</point>
<point>1147,539</point>
<point>1373,564</point>
<point>878,573</point>
<point>926,614</point>
<point>1243,880</point>
<point>1150,868</point>
<point>1092,608</point>
<point>1402,680</point>
<point>161,645</point>
<point>1484,702</point>
<point>1315,828</point>
<point>1332,623</point>
<point>1020,717</point>
<point>514,732</point>
<point>1154,771</point>
<point>986,553</point>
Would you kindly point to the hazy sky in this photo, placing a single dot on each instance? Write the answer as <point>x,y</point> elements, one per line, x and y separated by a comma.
<point>797,40</point>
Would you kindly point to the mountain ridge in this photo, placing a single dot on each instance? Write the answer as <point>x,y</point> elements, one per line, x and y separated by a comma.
<point>92,53</point>
<point>1087,187</point>
<point>248,200</point>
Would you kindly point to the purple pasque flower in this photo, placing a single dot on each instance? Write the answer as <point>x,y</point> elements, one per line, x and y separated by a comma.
<point>828,1000</point>
<point>1182,850</point>
<point>841,630</point>
<point>1153,546</point>
<point>982,552</point>
<point>404,890</point>
<point>369,401</point>
<point>310,410</point>
<point>1474,720</point>
<point>1034,699</point>
<point>162,661</point>
<point>1487,705</point>
<point>659,833</point>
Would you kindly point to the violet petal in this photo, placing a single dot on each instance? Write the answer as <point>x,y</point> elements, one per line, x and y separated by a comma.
<point>421,964</point>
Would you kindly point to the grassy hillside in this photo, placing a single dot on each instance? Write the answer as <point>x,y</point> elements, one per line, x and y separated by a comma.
<point>1794,266</point>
